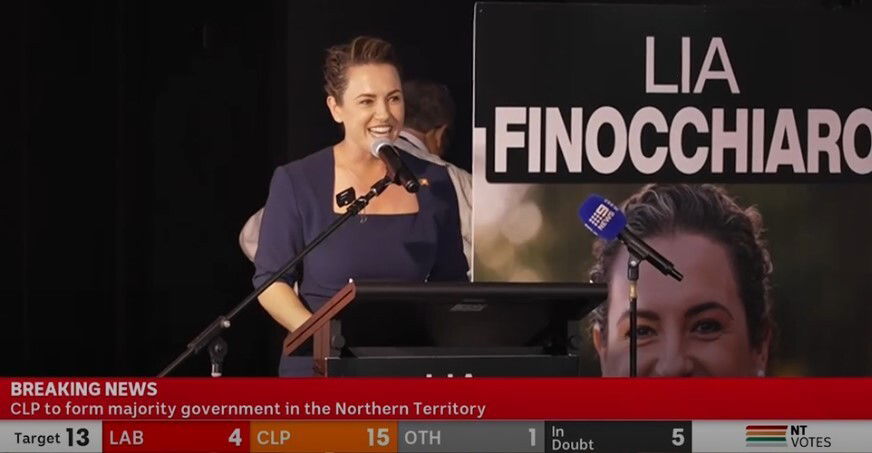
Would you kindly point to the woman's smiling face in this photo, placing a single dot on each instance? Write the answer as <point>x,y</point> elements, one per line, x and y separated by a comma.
<point>371,106</point>
<point>695,327</point>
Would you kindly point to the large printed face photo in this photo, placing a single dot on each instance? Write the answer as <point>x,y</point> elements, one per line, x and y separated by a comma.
<point>716,320</point>
<point>695,327</point>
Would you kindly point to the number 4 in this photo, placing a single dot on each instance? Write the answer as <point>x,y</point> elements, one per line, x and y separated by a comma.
<point>678,437</point>
<point>235,437</point>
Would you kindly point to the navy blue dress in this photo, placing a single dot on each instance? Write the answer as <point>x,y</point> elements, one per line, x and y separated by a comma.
<point>424,246</point>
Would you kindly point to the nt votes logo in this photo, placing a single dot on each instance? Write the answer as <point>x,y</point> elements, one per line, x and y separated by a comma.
<point>797,436</point>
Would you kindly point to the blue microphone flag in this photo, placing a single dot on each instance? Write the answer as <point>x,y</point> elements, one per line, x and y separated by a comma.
<point>602,217</point>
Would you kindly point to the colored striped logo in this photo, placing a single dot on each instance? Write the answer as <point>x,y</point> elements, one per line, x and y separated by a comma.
<point>766,436</point>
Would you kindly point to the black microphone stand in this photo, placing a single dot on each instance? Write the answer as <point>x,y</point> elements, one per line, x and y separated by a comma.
<point>639,253</point>
<point>633,278</point>
<point>211,335</point>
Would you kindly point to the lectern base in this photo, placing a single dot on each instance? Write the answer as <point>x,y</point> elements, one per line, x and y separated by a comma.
<point>456,366</point>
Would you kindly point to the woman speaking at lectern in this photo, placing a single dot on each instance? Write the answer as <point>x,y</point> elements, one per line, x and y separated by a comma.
<point>400,236</point>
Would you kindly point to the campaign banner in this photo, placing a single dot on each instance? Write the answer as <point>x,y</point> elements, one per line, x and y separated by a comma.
<point>737,139</point>
<point>600,93</point>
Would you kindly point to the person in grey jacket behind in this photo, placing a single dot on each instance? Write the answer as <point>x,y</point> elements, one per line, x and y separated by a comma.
<point>429,118</point>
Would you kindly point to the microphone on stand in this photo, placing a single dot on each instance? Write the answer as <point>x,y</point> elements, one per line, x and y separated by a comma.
<point>398,173</point>
<point>606,221</point>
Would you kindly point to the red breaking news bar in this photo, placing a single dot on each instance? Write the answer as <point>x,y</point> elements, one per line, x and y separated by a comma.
<point>414,398</point>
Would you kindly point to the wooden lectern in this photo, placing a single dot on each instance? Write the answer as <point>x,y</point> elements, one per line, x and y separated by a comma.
<point>445,329</point>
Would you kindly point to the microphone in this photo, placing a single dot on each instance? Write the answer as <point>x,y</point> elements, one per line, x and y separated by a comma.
<point>398,173</point>
<point>606,221</point>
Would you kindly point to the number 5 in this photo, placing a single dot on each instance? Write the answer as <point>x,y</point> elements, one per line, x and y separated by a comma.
<point>678,437</point>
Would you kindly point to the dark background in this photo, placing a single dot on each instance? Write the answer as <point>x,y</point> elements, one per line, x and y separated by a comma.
<point>141,135</point>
